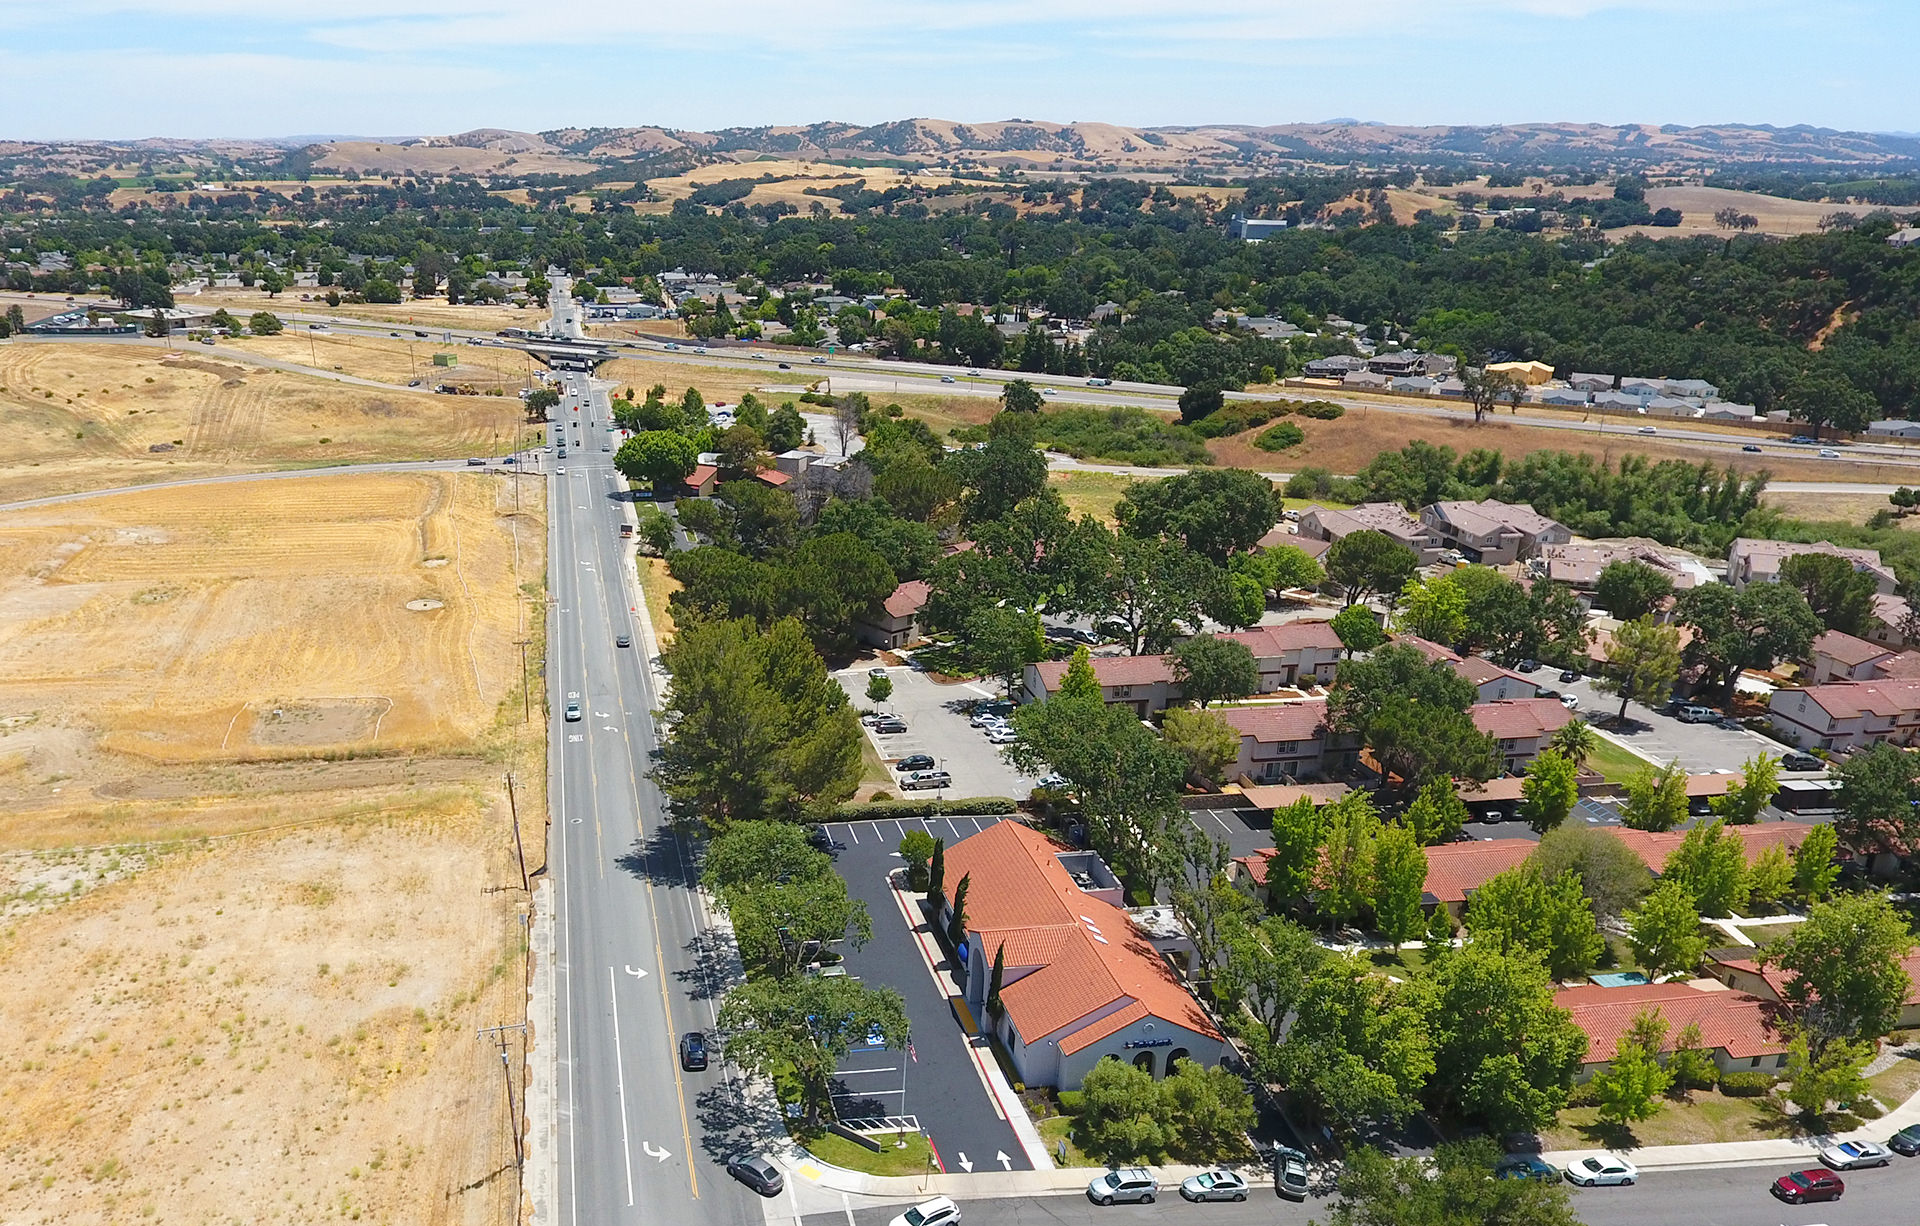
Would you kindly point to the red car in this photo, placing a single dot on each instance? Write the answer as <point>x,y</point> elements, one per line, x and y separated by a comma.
<point>1803,1186</point>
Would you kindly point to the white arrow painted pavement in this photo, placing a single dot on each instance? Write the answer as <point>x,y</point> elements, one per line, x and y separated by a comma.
<point>966,1163</point>
<point>654,1151</point>
<point>1006,1163</point>
<point>637,973</point>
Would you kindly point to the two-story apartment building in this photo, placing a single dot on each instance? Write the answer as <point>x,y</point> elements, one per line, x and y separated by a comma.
<point>1757,561</point>
<point>1522,726</point>
<point>1286,741</point>
<point>1387,517</point>
<point>1144,683</point>
<point>1291,653</point>
<point>1493,532</point>
<point>1847,715</point>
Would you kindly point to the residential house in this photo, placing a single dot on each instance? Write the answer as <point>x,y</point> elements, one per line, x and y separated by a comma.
<point>1769,983</point>
<point>1654,847</point>
<point>1365,380</point>
<point>1408,363</point>
<point>1891,617</point>
<point>1580,565</point>
<point>1643,390</point>
<point>1521,726</point>
<point>1144,683</point>
<point>1292,653</point>
<point>701,482</point>
<point>1079,981</point>
<point>1668,406</point>
<point>1590,383</point>
<point>1893,427</point>
<point>1743,1033</point>
<point>1841,657</point>
<point>1286,741</point>
<point>1907,237</point>
<point>1847,715</point>
<point>1727,410</point>
<point>1617,402</point>
<point>1414,385</point>
<point>1561,398</point>
<point>1283,533</point>
<point>1388,517</point>
<point>1691,389</point>
<point>1450,386</point>
<point>1492,683</point>
<point>1492,532</point>
<point>1456,870</point>
<point>1758,561</point>
<point>1335,367</point>
<point>1533,374</point>
<point>895,623</point>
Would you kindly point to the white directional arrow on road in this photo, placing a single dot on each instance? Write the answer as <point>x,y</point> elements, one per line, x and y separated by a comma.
<point>654,1151</point>
<point>636,972</point>
<point>1006,1163</point>
<point>966,1163</point>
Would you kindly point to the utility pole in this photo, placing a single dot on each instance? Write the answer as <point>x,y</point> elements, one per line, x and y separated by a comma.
<point>499,1036</point>
<point>519,849</point>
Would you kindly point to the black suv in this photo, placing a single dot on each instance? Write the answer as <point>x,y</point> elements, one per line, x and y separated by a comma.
<point>693,1051</point>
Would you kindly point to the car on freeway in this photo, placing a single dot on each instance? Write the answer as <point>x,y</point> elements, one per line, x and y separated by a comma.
<point>1047,391</point>
<point>1805,440</point>
<point>1855,1155</point>
<point>915,762</point>
<point>1290,1173</point>
<point>920,781</point>
<point>758,357</point>
<point>1099,382</point>
<point>671,345</point>
<point>1828,453</point>
<point>1751,447</point>
<point>1213,1185</point>
<point>940,1211</point>
<point>475,462</point>
<point>1603,1170</point>
<point>623,640</point>
<point>946,379</point>
<point>573,713</point>
<point>818,361</point>
<point>1648,430</point>
<point>1135,1183</point>
<point>413,383</point>
<point>693,1051</point>
<point>316,327</point>
<point>1800,1187</point>
<point>1906,1142</point>
<point>786,366</point>
<point>758,1173</point>
<point>393,334</point>
<point>1525,1166</point>
<point>1801,762</point>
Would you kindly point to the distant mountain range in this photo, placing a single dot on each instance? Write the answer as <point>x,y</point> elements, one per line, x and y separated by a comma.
<point>1212,148</point>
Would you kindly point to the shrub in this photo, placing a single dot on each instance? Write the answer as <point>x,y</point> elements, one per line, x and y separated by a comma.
<point>1322,410</point>
<point>1241,415</point>
<point>880,797</point>
<point>1123,435</point>
<point>1745,1084</point>
<point>979,806</point>
<point>1280,437</point>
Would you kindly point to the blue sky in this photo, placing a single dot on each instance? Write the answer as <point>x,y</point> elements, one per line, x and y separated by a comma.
<point>133,68</point>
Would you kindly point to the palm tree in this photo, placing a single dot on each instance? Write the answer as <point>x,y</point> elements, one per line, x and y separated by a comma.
<point>1575,742</point>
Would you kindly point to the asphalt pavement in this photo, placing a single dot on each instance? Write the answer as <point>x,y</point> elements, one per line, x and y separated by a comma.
<point>938,723</point>
<point>639,962</point>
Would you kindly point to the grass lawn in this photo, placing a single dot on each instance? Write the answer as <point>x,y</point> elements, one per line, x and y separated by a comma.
<point>1764,935</point>
<point>1711,1117</point>
<point>656,585</point>
<point>1054,1133</point>
<point>1400,965</point>
<point>872,769</point>
<point>1616,763</point>
<point>1301,504</point>
<point>1898,1083</point>
<point>1093,494</point>
<point>915,1159</point>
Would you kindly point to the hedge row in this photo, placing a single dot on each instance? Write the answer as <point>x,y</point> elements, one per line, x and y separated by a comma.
<point>978,806</point>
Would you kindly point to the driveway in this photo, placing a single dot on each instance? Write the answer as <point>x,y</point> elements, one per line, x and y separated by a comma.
<point>937,724</point>
<point>939,1082</point>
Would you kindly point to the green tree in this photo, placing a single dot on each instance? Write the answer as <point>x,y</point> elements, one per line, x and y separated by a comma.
<point>1419,744</point>
<point>1825,397</point>
<point>1840,596</point>
<point>1367,563</point>
<point>937,876</point>
<point>1200,400</point>
<point>1289,567</point>
<point>1814,868</point>
<point>1298,832</point>
<point>1209,744</point>
<point>1204,899</point>
<point>1575,741</point>
<point>1665,932</point>
<point>539,401</point>
<point>1656,800</point>
<point>1434,609</point>
<point>1358,629</point>
<point>1123,1116</point>
<point>1751,628</point>
<point>1690,1064</point>
<point>1397,671</point>
<point>996,980</point>
<point>1549,791</point>
<point>879,688</point>
<point>1631,590</point>
<point>1211,669</point>
<point>1344,883</point>
<point>1643,662</point>
<point>1080,681</point>
<point>804,1028</point>
<point>265,323</point>
<point>1518,911</point>
<point>1629,1088</point>
<point>756,853</point>
<point>1845,979</point>
<point>1399,880</point>
<point>1020,396</point>
<point>957,916</point>
<point>1236,601</point>
<point>659,458</point>
<point>1264,968</point>
<point>1452,1188</point>
<point>1878,788</point>
<point>1504,1053</point>
<point>1742,804</point>
<point>1612,875</point>
<point>1769,878</point>
<point>1818,1076</point>
<point>1711,866</point>
<point>273,282</point>
<point>1213,512</point>
<point>916,849</point>
<point>780,926</point>
<point>1358,1049</point>
<point>1209,1112</point>
<point>755,727</point>
<point>1437,813</point>
<point>1003,641</point>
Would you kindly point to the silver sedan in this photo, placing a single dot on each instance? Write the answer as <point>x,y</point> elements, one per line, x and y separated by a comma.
<point>1214,1185</point>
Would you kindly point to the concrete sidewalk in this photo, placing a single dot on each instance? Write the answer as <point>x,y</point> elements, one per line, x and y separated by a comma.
<point>1771,1151</point>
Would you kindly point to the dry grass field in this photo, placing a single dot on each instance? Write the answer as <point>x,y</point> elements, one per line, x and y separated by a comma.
<point>257,883</point>
<point>423,312</point>
<point>395,361</point>
<point>89,416</point>
<point>798,176</point>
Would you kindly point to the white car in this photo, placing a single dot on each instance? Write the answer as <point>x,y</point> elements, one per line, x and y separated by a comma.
<point>1828,453</point>
<point>1603,1170</point>
<point>1570,702</point>
<point>1002,736</point>
<point>1853,1155</point>
<point>940,1211</point>
<point>1648,430</point>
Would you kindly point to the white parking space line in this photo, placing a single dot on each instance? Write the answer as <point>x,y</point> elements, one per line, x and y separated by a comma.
<point>1215,815</point>
<point>862,1072</point>
<point>852,833</point>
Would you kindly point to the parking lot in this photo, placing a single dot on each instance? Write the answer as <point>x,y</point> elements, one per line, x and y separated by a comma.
<point>1700,748</point>
<point>937,717</point>
<point>939,1082</point>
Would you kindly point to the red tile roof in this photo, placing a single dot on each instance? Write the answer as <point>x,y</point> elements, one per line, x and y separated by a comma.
<point>1111,670</point>
<point>1742,1024</point>
<point>1268,641</point>
<point>1255,865</point>
<point>1431,650</point>
<point>908,598</point>
<point>1455,870</point>
<point>772,476</point>
<point>1087,953</point>
<point>1846,649</point>
<point>1777,979</point>
<point>1654,847</point>
<point>1849,699</point>
<point>1520,719</point>
<point>1480,670</point>
<point>701,474</point>
<point>1276,722</point>
<point>1904,666</point>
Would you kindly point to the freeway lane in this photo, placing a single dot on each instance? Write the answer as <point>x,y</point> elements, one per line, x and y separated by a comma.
<point>1735,1197</point>
<point>638,963</point>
